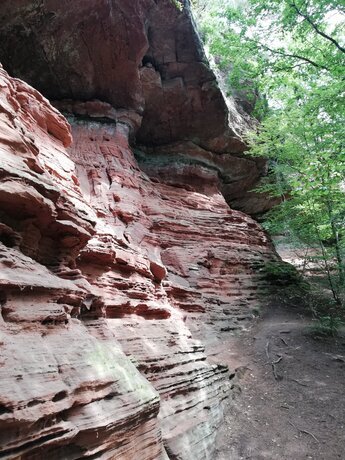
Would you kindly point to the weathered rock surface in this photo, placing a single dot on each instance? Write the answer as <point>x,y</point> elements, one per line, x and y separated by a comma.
<point>142,58</point>
<point>98,260</point>
<point>66,388</point>
<point>122,269</point>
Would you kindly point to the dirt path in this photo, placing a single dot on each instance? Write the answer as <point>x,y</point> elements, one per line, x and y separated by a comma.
<point>300,413</point>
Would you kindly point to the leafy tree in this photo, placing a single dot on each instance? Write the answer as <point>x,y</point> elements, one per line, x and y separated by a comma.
<point>292,52</point>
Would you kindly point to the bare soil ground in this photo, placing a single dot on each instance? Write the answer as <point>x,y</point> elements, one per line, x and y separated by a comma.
<point>293,409</point>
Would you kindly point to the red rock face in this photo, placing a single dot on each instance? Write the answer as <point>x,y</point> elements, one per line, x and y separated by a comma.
<point>140,59</point>
<point>118,279</point>
<point>138,55</point>
<point>123,269</point>
<point>66,388</point>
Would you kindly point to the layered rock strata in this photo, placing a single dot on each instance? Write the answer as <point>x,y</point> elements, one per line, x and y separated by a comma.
<point>67,390</point>
<point>142,58</point>
<point>123,268</point>
<point>111,285</point>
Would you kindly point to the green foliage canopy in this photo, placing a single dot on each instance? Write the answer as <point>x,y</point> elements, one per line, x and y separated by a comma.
<point>293,52</point>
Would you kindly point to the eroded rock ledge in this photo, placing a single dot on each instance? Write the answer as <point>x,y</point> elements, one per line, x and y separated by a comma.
<point>141,59</point>
<point>122,269</point>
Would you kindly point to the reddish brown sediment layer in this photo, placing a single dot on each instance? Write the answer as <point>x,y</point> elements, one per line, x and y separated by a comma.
<point>140,62</point>
<point>123,270</point>
<point>112,284</point>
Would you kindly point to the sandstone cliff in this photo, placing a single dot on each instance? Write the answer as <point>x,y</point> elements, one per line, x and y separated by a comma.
<point>123,268</point>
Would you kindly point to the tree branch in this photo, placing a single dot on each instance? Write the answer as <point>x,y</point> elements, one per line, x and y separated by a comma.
<point>316,28</point>
<point>295,56</point>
